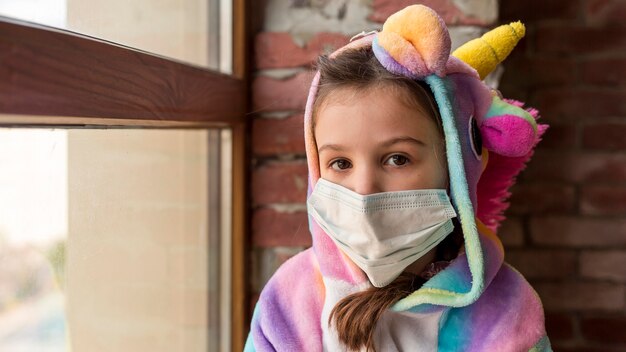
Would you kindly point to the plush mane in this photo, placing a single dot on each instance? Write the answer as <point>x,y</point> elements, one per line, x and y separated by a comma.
<point>498,177</point>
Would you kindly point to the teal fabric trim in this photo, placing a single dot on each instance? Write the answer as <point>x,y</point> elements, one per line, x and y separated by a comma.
<point>543,345</point>
<point>249,347</point>
<point>446,295</point>
<point>500,107</point>
<point>458,186</point>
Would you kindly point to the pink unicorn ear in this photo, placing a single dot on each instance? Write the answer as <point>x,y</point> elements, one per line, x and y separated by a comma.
<point>508,130</point>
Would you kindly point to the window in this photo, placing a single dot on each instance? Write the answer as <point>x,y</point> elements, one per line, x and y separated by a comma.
<point>194,31</point>
<point>124,197</point>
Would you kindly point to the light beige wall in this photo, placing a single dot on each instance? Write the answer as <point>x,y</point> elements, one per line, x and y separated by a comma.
<point>137,258</point>
<point>174,28</point>
<point>138,265</point>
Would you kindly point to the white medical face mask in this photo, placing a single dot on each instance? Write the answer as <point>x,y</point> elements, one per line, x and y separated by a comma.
<point>382,233</point>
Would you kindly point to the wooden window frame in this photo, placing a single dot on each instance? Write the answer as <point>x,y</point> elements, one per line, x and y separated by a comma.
<point>57,78</point>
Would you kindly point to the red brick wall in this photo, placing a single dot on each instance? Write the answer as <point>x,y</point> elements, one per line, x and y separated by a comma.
<point>566,230</point>
<point>569,207</point>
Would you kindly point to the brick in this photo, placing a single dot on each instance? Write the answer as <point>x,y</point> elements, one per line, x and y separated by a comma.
<point>604,265</point>
<point>570,104</point>
<point>539,71</point>
<point>270,94</point>
<point>271,228</point>
<point>511,232</point>
<point>326,43</point>
<point>576,167</point>
<point>451,14</point>
<point>516,70</point>
<point>559,326</point>
<point>542,263</point>
<point>254,298</point>
<point>577,39</point>
<point>603,200</point>
<point>280,183</point>
<point>552,71</point>
<point>460,35</point>
<point>605,329</point>
<point>603,71</point>
<point>272,136</point>
<point>278,49</point>
<point>559,135</point>
<point>581,296</point>
<point>541,199</point>
<point>605,136</point>
<point>578,232</point>
<point>605,12</point>
<point>536,10</point>
<point>568,347</point>
<point>514,91</point>
<point>303,18</point>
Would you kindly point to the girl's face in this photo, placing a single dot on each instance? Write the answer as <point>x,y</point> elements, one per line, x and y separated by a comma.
<point>371,142</point>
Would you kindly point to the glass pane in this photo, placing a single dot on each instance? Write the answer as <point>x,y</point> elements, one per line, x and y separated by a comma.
<point>194,31</point>
<point>109,240</point>
<point>33,235</point>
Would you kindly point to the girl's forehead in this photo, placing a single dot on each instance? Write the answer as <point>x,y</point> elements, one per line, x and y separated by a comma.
<point>389,96</point>
<point>371,123</point>
<point>377,110</point>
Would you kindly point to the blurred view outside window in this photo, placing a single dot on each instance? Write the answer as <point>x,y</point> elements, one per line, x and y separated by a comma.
<point>118,239</point>
<point>194,31</point>
<point>33,239</point>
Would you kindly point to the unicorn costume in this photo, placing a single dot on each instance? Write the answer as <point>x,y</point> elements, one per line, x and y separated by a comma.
<point>478,302</point>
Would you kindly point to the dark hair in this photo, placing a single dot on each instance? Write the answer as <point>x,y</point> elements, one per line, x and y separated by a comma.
<point>355,316</point>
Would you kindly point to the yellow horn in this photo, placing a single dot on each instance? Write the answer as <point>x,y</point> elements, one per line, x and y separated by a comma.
<point>486,52</point>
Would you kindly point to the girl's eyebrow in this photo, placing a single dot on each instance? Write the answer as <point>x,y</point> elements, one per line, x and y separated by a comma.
<point>403,139</point>
<point>387,143</point>
<point>335,147</point>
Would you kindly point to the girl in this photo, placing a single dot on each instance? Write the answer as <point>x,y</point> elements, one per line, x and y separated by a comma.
<point>410,158</point>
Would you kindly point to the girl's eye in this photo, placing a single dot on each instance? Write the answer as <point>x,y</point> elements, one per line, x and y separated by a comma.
<point>397,160</point>
<point>340,164</point>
